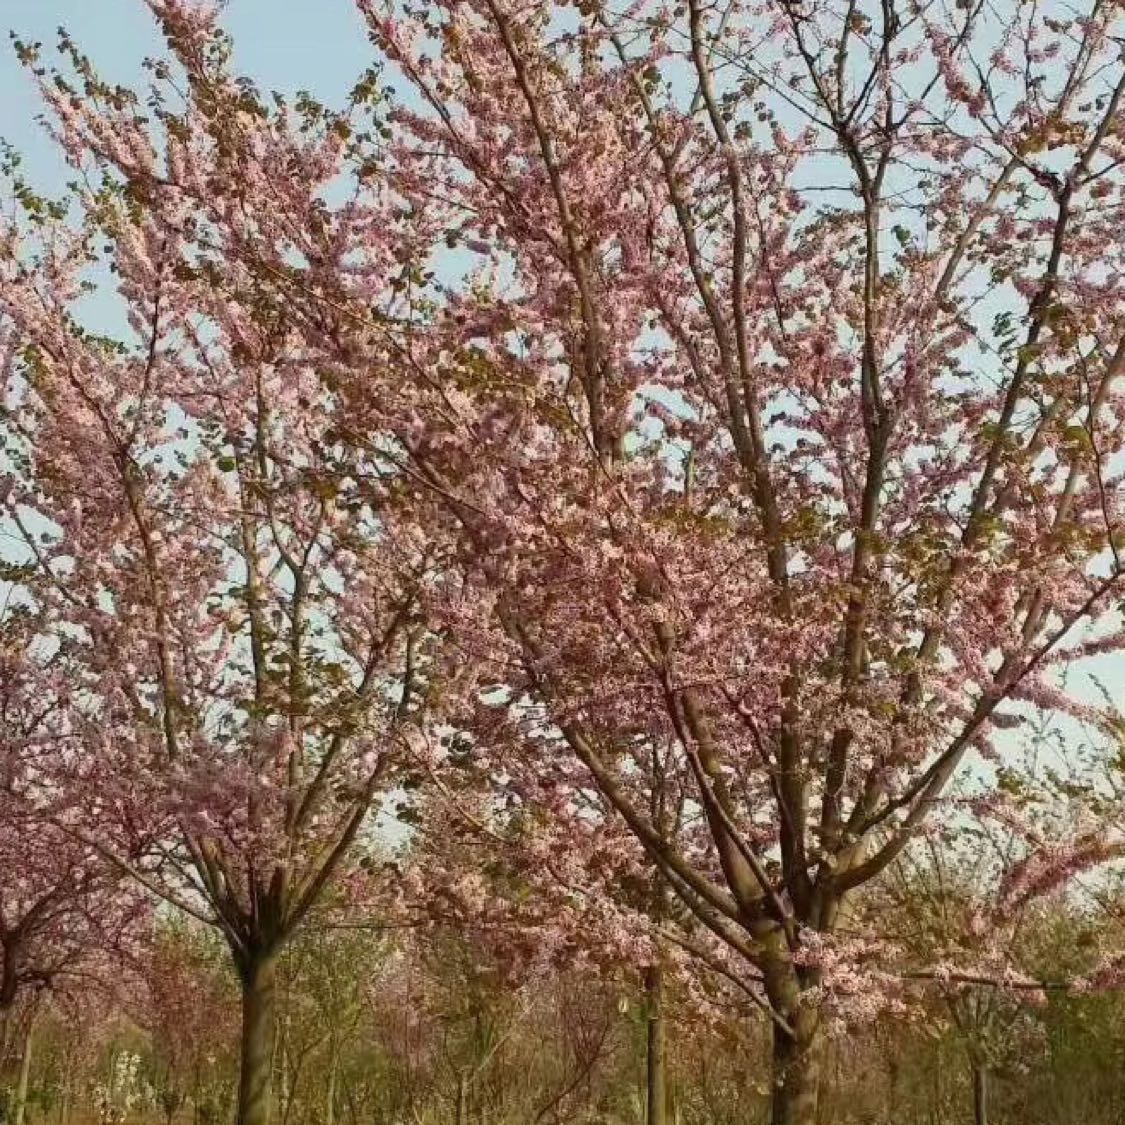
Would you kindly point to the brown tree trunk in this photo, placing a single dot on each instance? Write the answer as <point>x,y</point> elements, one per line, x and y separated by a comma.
<point>330,1093</point>
<point>892,1077</point>
<point>255,1079</point>
<point>462,1098</point>
<point>24,1080</point>
<point>796,1071</point>
<point>64,1101</point>
<point>980,1094</point>
<point>656,1081</point>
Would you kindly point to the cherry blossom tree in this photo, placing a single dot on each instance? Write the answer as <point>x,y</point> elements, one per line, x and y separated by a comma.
<point>542,872</point>
<point>736,384</point>
<point>231,576</point>
<point>65,913</point>
<point>776,416</point>
<point>186,1004</point>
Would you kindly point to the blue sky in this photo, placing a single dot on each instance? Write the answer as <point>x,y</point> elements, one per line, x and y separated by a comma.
<point>284,44</point>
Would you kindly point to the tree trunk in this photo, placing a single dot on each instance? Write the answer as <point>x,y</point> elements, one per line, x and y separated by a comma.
<point>255,1079</point>
<point>20,1114</point>
<point>656,1082</point>
<point>796,1071</point>
<point>980,1094</point>
<point>892,1077</point>
<point>280,1053</point>
<point>462,1098</point>
<point>64,1101</point>
<point>330,1093</point>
